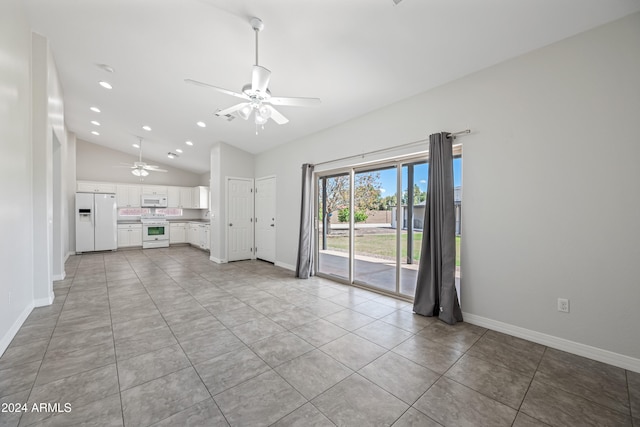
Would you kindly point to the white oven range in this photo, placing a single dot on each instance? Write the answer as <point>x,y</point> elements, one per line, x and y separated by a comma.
<point>155,231</point>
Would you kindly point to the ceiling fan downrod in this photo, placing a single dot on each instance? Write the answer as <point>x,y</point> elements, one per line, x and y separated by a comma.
<point>257,26</point>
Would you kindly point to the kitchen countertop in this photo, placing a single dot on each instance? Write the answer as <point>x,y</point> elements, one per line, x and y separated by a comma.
<point>134,221</point>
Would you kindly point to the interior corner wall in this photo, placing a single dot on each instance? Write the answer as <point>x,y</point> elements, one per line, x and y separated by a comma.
<point>16,197</point>
<point>70,180</point>
<point>551,184</point>
<point>42,140</point>
<point>226,161</point>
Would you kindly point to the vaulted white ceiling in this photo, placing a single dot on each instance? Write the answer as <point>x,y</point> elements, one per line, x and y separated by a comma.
<point>356,55</point>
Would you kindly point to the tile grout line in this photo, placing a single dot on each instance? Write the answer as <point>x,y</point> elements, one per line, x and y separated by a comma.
<point>48,343</point>
<point>192,365</point>
<point>113,339</point>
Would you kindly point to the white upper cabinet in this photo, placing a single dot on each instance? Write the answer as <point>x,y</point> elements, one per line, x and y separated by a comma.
<point>186,197</point>
<point>95,187</point>
<point>200,197</point>
<point>180,197</point>
<point>160,190</point>
<point>128,196</point>
<point>173,197</point>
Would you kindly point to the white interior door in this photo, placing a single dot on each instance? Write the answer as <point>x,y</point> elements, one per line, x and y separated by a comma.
<point>266,219</point>
<point>239,219</point>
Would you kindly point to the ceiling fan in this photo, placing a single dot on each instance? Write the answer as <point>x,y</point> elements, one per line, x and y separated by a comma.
<point>142,169</point>
<point>256,95</point>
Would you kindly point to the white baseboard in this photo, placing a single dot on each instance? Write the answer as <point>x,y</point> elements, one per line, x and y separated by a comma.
<point>605,356</point>
<point>13,330</point>
<point>43,302</point>
<point>66,257</point>
<point>285,265</point>
<point>218,260</point>
<point>58,277</point>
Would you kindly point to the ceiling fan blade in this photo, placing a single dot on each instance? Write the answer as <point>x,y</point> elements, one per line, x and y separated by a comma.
<point>260,79</point>
<point>232,109</point>
<point>277,116</point>
<point>153,168</point>
<point>294,102</point>
<point>219,89</point>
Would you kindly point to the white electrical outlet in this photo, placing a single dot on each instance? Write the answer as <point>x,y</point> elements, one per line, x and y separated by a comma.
<point>563,305</point>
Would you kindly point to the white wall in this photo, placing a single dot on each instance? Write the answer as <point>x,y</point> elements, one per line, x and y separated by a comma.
<point>226,161</point>
<point>51,160</point>
<point>70,235</point>
<point>563,117</point>
<point>42,154</point>
<point>16,203</point>
<point>98,163</point>
<point>33,138</point>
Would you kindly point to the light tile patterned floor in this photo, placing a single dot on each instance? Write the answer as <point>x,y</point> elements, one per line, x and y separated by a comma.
<point>166,337</point>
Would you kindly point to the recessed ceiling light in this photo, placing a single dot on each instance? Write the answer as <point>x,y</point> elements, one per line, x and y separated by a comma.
<point>106,85</point>
<point>93,122</point>
<point>172,155</point>
<point>178,150</point>
<point>202,124</point>
<point>107,68</point>
<point>147,128</point>
<point>96,133</point>
<point>95,109</point>
<point>188,142</point>
<point>136,145</point>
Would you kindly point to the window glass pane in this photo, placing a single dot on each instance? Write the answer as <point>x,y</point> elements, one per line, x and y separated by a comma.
<point>333,230</point>
<point>133,211</point>
<point>457,202</point>
<point>375,238</point>
<point>170,211</point>
<point>414,193</point>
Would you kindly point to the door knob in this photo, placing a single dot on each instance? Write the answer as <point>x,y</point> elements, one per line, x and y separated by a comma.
<point>273,225</point>
<point>230,225</point>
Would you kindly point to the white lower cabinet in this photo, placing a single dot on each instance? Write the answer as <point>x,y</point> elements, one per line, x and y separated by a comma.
<point>177,233</point>
<point>198,235</point>
<point>192,234</point>
<point>207,238</point>
<point>129,235</point>
<point>203,236</point>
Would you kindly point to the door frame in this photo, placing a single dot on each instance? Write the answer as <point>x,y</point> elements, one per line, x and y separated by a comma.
<point>255,212</point>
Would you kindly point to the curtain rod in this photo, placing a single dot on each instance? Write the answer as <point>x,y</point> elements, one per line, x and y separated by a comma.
<point>382,150</point>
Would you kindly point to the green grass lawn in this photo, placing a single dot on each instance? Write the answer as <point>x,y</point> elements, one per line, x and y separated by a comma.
<point>382,245</point>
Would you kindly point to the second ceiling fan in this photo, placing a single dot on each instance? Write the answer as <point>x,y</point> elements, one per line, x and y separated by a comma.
<point>256,95</point>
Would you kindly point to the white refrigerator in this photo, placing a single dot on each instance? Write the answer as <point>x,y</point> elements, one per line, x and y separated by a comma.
<point>96,222</point>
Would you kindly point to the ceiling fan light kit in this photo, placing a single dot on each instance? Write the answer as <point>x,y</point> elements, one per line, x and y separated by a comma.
<point>140,172</point>
<point>257,97</point>
<point>140,168</point>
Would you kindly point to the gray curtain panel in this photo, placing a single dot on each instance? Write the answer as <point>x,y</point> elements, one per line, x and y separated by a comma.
<point>304,266</point>
<point>436,287</point>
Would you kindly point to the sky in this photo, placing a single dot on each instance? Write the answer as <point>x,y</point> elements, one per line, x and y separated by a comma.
<point>388,177</point>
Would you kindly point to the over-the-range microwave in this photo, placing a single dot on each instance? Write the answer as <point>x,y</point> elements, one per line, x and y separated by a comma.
<point>153,201</point>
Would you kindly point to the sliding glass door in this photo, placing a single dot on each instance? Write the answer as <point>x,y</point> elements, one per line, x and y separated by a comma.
<point>370,223</point>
